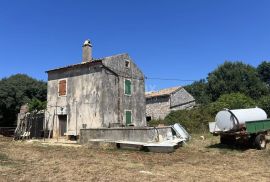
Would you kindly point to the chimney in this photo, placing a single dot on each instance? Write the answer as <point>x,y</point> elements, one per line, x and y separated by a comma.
<point>87,51</point>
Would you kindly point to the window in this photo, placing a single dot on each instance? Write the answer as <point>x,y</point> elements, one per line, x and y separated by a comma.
<point>62,87</point>
<point>128,117</point>
<point>127,63</point>
<point>127,87</point>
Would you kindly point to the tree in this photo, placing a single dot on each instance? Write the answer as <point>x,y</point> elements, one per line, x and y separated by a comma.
<point>264,103</point>
<point>16,91</point>
<point>231,101</point>
<point>234,77</point>
<point>35,105</point>
<point>198,90</point>
<point>264,72</point>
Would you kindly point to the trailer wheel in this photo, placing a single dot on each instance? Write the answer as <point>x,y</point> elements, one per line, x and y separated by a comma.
<point>251,141</point>
<point>260,142</point>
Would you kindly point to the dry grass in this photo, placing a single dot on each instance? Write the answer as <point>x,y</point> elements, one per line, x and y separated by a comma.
<point>200,160</point>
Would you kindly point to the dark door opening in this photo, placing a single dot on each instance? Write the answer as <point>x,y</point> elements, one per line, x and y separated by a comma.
<point>62,124</point>
<point>148,118</point>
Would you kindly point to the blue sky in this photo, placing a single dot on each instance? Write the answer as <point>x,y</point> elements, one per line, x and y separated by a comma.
<point>167,39</point>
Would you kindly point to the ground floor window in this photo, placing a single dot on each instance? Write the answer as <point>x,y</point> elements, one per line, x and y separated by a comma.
<point>148,118</point>
<point>128,117</point>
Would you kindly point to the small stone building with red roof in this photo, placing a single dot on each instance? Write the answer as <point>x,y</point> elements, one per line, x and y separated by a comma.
<point>160,103</point>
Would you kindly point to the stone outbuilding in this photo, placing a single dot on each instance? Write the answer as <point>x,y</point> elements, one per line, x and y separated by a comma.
<point>96,93</point>
<point>160,103</point>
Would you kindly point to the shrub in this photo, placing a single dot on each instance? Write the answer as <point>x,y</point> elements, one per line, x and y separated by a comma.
<point>264,103</point>
<point>196,120</point>
<point>231,101</point>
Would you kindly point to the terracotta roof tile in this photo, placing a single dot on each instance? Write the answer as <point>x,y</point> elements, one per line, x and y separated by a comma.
<point>162,92</point>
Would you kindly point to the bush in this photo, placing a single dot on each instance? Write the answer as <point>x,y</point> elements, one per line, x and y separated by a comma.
<point>232,101</point>
<point>264,103</point>
<point>196,120</point>
<point>36,105</point>
<point>155,122</point>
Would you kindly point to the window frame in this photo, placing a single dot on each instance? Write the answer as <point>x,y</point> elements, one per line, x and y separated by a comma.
<point>127,61</point>
<point>59,87</point>
<point>131,118</point>
<point>125,87</point>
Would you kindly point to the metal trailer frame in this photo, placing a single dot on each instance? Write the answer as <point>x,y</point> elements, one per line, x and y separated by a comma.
<point>252,132</point>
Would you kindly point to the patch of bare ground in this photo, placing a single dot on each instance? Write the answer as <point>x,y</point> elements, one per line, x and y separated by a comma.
<point>199,160</point>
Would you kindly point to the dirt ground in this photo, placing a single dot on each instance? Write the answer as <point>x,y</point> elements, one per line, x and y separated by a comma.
<point>199,160</point>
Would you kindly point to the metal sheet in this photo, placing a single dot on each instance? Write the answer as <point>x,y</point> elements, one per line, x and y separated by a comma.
<point>181,132</point>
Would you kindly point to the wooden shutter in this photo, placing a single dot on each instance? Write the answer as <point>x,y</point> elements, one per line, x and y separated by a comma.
<point>128,117</point>
<point>62,87</point>
<point>128,87</point>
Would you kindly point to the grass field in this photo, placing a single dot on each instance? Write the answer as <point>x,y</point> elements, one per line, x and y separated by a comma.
<point>199,160</point>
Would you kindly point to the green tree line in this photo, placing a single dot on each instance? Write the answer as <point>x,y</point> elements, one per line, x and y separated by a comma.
<point>232,85</point>
<point>16,91</point>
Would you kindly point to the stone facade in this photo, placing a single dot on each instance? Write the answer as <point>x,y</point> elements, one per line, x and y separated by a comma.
<point>159,104</point>
<point>95,95</point>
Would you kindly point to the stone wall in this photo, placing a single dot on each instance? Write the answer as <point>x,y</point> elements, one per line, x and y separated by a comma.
<point>184,106</point>
<point>95,95</point>
<point>134,102</point>
<point>181,97</point>
<point>82,102</point>
<point>158,107</point>
<point>144,134</point>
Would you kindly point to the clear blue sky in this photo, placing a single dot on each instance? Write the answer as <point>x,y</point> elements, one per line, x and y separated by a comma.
<point>167,39</point>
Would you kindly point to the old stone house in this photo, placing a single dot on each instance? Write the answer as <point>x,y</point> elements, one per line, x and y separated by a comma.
<point>95,93</point>
<point>160,103</point>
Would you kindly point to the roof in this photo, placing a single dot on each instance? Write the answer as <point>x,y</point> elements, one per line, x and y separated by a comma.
<point>163,92</point>
<point>93,62</point>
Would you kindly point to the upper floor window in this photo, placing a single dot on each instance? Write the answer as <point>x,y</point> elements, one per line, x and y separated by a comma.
<point>62,88</point>
<point>127,87</point>
<point>127,63</point>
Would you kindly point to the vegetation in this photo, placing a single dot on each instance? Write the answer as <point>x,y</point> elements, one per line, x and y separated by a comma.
<point>198,89</point>
<point>196,120</point>
<point>232,85</point>
<point>36,105</point>
<point>264,72</point>
<point>264,103</point>
<point>234,77</point>
<point>231,101</point>
<point>16,91</point>
<point>199,160</point>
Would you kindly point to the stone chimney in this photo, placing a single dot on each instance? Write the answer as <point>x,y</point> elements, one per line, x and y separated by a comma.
<point>87,51</point>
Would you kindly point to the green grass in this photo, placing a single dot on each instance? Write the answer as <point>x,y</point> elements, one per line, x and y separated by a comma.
<point>3,157</point>
<point>5,161</point>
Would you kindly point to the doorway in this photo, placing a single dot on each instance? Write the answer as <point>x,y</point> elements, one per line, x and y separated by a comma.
<point>62,124</point>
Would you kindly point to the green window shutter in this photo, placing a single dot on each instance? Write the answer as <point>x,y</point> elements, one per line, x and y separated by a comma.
<point>128,117</point>
<point>128,87</point>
